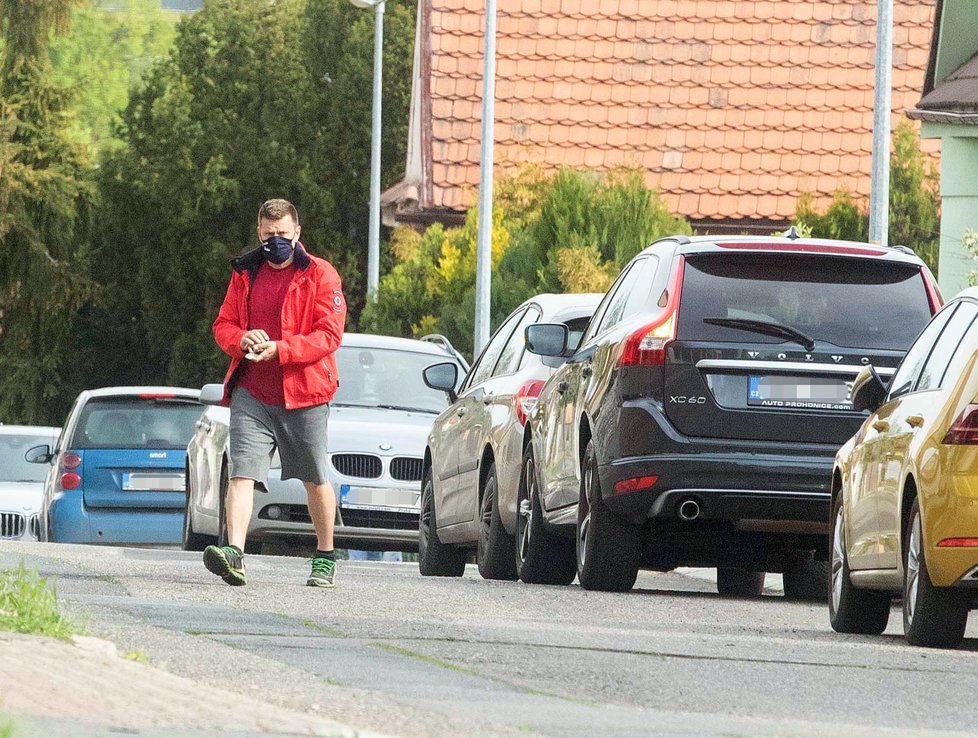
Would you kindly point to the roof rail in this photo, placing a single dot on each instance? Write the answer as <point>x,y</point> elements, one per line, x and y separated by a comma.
<point>439,340</point>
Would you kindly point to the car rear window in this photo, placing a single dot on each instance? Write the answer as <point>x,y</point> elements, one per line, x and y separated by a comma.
<point>856,303</point>
<point>135,422</point>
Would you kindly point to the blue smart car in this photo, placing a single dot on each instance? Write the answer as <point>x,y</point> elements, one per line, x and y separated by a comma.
<point>118,471</point>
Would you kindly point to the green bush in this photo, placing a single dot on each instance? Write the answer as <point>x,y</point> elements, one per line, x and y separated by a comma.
<point>29,605</point>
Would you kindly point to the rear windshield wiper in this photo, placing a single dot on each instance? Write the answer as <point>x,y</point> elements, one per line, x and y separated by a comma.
<point>768,329</point>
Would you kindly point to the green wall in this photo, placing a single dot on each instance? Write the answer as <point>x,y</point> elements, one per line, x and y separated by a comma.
<point>959,37</point>
<point>959,201</point>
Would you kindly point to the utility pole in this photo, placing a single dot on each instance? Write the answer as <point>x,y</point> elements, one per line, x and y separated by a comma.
<point>879,198</point>
<point>483,268</point>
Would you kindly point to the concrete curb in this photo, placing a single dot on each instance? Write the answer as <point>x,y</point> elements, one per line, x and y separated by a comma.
<point>43,679</point>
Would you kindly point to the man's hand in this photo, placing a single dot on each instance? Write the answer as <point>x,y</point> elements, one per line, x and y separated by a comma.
<point>265,351</point>
<point>250,339</point>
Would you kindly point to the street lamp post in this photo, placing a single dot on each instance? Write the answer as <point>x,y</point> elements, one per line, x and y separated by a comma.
<point>373,247</point>
<point>879,197</point>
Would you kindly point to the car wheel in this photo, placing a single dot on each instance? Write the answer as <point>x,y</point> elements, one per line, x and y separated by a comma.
<point>932,616</point>
<point>541,556</point>
<point>608,547</point>
<point>192,541</point>
<point>806,579</point>
<point>435,559</point>
<point>495,550</point>
<point>732,582</point>
<point>851,610</point>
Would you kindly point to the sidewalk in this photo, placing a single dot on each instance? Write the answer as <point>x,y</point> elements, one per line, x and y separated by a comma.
<point>52,688</point>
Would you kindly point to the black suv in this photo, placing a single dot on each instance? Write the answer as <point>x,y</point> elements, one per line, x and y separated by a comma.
<point>697,423</point>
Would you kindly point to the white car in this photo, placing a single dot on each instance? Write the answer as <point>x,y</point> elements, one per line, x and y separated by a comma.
<point>21,482</point>
<point>378,423</point>
<point>473,462</point>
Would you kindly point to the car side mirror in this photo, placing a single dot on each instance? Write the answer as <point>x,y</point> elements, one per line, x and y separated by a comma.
<point>547,339</point>
<point>39,455</point>
<point>442,377</point>
<point>869,390</point>
<point>212,394</point>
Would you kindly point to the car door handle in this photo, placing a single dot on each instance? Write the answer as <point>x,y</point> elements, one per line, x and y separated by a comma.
<point>881,426</point>
<point>915,421</point>
<point>562,386</point>
<point>488,399</point>
<point>461,411</point>
<point>204,425</point>
<point>586,371</point>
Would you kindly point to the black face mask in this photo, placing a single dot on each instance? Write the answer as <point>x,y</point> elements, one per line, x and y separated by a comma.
<point>277,250</point>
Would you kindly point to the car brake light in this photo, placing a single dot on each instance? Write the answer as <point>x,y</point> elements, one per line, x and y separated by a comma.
<point>624,486</point>
<point>933,293</point>
<point>157,396</point>
<point>526,399</point>
<point>647,345</point>
<point>71,461</point>
<point>964,431</point>
<point>804,248</point>
<point>958,543</point>
<point>70,480</point>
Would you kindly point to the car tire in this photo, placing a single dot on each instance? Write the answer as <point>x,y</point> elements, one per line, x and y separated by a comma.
<point>851,610</point>
<point>192,541</point>
<point>806,579</point>
<point>608,547</point>
<point>733,582</point>
<point>934,617</point>
<point>541,556</point>
<point>494,553</point>
<point>435,559</point>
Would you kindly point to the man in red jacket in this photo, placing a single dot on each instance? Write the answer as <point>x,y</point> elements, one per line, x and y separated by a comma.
<point>281,322</point>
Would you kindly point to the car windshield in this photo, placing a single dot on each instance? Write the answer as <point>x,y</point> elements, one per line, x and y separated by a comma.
<point>13,466</point>
<point>857,303</point>
<point>136,422</point>
<point>386,378</point>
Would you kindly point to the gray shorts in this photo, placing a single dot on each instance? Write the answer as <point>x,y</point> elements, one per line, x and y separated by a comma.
<point>258,429</point>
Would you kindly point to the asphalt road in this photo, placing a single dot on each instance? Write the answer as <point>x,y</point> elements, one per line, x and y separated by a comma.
<point>392,652</point>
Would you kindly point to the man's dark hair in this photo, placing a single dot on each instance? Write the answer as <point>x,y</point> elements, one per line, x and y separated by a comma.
<point>276,210</point>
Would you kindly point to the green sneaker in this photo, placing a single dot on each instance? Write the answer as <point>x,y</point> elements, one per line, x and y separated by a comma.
<point>227,563</point>
<point>323,572</point>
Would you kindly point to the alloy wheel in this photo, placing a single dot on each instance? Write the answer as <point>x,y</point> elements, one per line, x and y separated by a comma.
<point>524,519</point>
<point>584,516</point>
<point>838,559</point>
<point>913,569</point>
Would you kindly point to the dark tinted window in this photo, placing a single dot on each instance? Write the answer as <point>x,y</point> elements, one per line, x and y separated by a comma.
<point>906,374</point>
<point>856,303</point>
<point>932,375</point>
<point>134,422</point>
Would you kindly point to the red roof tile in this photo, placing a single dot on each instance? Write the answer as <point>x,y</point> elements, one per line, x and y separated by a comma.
<point>732,109</point>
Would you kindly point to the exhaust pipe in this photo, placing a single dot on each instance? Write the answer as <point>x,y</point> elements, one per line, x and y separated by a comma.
<point>689,510</point>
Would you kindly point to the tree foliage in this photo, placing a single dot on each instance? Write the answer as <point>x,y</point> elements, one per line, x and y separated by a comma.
<point>572,232</point>
<point>914,204</point>
<point>46,196</point>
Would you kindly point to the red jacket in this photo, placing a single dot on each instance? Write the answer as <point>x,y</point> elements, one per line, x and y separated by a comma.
<point>313,316</point>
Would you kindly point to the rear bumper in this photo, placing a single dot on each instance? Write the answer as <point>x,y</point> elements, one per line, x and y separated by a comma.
<point>70,521</point>
<point>760,490</point>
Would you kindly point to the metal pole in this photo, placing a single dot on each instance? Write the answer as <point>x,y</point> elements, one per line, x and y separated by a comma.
<point>879,198</point>
<point>373,248</point>
<point>483,271</point>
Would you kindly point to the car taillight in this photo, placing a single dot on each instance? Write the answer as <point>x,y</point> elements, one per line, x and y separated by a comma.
<point>647,345</point>
<point>526,399</point>
<point>70,478</point>
<point>964,430</point>
<point>934,296</point>
<point>958,543</point>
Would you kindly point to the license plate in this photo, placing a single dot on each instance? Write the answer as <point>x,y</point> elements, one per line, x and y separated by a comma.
<point>143,482</point>
<point>805,394</point>
<point>375,498</point>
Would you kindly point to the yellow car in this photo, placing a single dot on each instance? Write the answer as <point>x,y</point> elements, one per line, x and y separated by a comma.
<point>905,490</point>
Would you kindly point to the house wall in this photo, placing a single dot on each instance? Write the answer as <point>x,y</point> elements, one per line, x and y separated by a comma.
<point>959,201</point>
<point>959,28</point>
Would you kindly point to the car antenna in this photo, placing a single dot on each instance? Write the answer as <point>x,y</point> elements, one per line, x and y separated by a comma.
<point>792,233</point>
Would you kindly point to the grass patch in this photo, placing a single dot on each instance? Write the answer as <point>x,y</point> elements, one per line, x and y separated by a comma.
<point>424,657</point>
<point>313,625</point>
<point>138,656</point>
<point>6,728</point>
<point>29,605</point>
